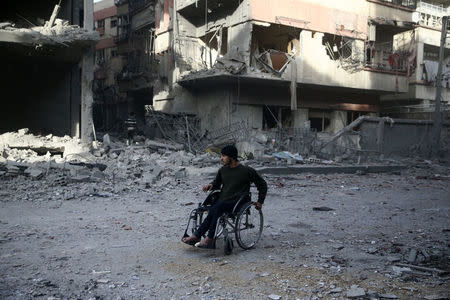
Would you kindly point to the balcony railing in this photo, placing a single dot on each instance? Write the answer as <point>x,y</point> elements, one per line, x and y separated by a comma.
<point>431,9</point>
<point>138,4</point>
<point>405,3</point>
<point>381,57</point>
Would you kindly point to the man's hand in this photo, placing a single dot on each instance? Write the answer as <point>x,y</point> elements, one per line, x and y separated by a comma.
<point>257,205</point>
<point>207,187</point>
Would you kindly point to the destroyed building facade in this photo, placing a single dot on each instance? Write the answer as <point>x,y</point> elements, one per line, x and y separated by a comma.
<point>125,60</point>
<point>108,64</point>
<point>48,67</point>
<point>295,63</point>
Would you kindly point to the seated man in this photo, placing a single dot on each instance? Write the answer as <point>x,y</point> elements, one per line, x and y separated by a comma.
<point>233,179</point>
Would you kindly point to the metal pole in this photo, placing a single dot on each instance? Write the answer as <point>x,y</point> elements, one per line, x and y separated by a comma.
<point>437,124</point>
<point>188,135</point>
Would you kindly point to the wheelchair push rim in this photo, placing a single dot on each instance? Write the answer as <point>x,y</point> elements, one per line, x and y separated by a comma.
<point>249,226</point>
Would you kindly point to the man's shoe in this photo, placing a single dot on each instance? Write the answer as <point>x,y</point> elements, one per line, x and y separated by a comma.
<point>207,243</point>
<point>190,240</point>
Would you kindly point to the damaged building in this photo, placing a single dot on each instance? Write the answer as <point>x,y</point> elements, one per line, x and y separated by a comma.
<point>296,64</point>
<point>125,60</point>
<point>49,67</point>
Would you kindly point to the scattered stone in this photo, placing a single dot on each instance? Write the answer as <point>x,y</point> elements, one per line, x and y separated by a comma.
<point>388,296</point>
<point>336,290</point>
<point>274,297</point>
<point>322,208</point>
<point>399,270</point>
<point>393,258</point>
<point>412,256</point>
<point>34,173</point>
<point>356,292</point>
<point>436,297</point>
<point>103,281</point>
<point>80,178</point>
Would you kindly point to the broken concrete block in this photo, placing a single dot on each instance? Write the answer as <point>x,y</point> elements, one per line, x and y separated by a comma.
<point>148,178</point>
<point>106,140</point>
<point>393,258</point>
<point>97,174</point>
<point>157,171</point>
<point>23,131</point>
<point>164,181</point>
<point>80,178</point>
<point>355,292</point>
<point>388,296</point>
<point>412,256</point>
<point>34,173</point>
<point>12,170</point>
<point>180,174</point>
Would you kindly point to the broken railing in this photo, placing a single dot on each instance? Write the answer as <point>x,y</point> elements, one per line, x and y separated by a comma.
<point>274,61</point>
<point>385,136</point>
<point>295,140</point>
<point>179,128</point>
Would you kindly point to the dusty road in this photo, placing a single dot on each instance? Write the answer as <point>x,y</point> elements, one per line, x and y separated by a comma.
<point>101,242</point>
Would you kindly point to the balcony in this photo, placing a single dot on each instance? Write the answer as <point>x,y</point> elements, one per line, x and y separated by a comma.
<point>135,5</point>
<point>431,9</point>
<point>123,33</point>
<point>382,57</point>
<point>409,4</point>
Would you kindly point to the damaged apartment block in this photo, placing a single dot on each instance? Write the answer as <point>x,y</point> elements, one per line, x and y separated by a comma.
<point>294,65</point>
<point>125,62</point>
<point>48,67</point>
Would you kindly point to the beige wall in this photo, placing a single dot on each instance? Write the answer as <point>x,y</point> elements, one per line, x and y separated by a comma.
<point>103,4</point>
<point>314,66</point>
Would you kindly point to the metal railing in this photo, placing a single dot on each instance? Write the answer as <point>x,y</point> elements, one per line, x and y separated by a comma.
<point>381,56</point>
<point>405,3</point>
<point>431,9</point>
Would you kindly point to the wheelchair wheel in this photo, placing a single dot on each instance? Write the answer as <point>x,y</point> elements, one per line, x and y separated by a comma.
<point>249,226</point>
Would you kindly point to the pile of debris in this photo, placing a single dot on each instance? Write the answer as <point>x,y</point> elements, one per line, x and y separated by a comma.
<point>62,160</point>
<point>59,33</point>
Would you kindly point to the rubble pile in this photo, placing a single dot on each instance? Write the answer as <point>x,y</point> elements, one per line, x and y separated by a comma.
<point>58,34</point>
<point>64,160</point>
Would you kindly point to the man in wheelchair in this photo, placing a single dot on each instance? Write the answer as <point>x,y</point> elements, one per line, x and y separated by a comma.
<point>233,180</point>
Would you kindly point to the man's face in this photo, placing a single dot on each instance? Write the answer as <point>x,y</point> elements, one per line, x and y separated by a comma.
<point>226,160</point>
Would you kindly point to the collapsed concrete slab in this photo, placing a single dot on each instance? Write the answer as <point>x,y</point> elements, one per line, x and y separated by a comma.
<point>61,34</point>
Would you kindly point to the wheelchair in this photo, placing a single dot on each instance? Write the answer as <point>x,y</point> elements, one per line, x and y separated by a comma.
<point>244,221</point>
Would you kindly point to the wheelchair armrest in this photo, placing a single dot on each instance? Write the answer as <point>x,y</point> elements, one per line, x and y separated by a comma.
<point>211,199</point>
<point>243,198</point>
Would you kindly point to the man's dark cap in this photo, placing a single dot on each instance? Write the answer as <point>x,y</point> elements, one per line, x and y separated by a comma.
<point>230,151</point>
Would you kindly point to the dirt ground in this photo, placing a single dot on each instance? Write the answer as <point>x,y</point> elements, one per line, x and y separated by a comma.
<point>124,243</point>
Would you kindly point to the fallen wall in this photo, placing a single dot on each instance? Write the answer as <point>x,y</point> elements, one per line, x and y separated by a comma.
<point>402,137</point>
<point>386,136</point>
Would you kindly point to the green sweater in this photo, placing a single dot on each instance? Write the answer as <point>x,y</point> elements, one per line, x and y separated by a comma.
<point>234,181</point>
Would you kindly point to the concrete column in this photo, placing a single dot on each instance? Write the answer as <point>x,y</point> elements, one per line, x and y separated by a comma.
<point>75,97</point>
<point>301,118</point>
<point>419,70</point>
<point>87,77</point>
<point>338,120</point>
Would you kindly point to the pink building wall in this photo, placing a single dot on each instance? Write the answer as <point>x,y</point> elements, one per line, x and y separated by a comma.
<point>319,18</point>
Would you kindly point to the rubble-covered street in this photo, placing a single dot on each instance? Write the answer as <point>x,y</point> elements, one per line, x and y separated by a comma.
<point>72,229</point>
<point>119,115</point>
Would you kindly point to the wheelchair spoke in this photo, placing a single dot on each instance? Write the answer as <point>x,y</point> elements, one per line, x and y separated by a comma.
<point>249,224</point>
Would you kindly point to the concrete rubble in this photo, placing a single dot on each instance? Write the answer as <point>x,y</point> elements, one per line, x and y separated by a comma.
<point>110,223</point>
<point>61,33</point>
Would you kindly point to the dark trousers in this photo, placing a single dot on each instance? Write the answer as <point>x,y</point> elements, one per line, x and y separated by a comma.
<point>210,222</point>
